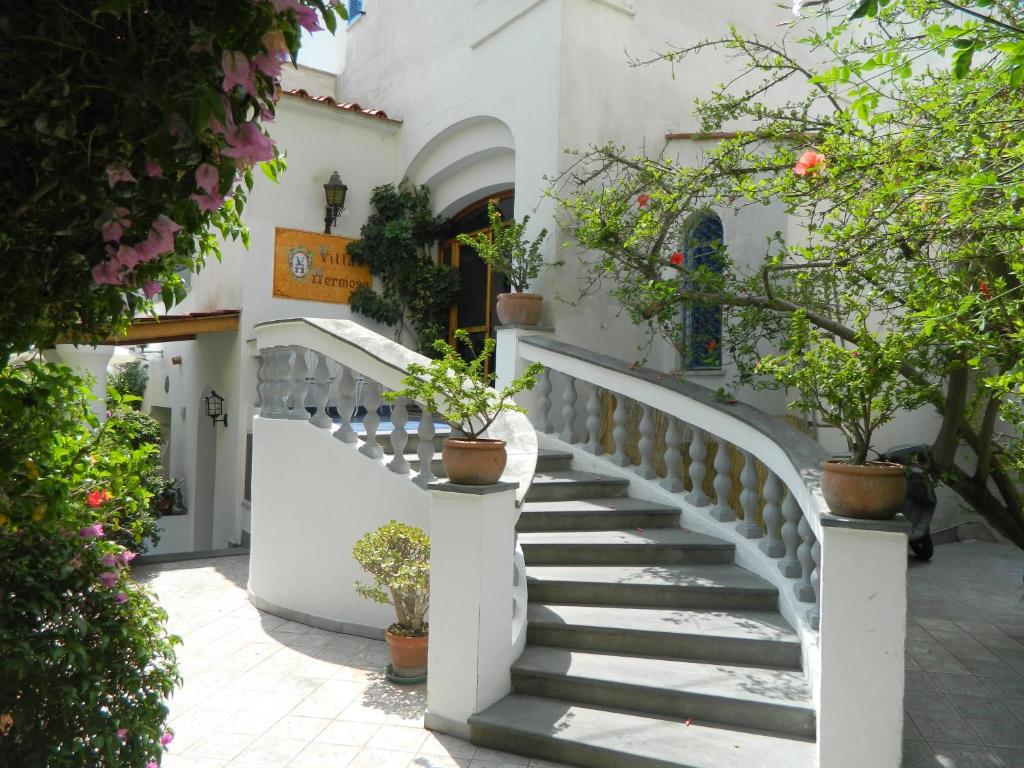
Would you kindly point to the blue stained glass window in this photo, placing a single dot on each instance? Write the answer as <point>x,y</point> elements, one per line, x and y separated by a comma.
<point>355,7</point>
<point>704,324</point>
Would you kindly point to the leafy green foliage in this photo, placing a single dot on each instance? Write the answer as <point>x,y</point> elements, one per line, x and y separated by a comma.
<point>85,649</point>
<point>398,557</point>
<point>115,114</point>
<point>129,379</point>
<point>397,243</point>
<point>459,390</point>
<point>506,249</point>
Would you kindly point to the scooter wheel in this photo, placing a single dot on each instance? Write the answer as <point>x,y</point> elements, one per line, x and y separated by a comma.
<point>923,548</point>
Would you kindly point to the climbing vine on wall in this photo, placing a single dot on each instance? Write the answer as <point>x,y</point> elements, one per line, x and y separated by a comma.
<point>398,244</point>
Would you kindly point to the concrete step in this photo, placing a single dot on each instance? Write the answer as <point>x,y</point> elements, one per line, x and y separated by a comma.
<point>656,546</point>
<point>732,637</point>
<point>571,484</point>
<point>772,700</point>
<point>547,460</point>
<point>725,587</point>
<point>594,737</point>
<point>596,515</point>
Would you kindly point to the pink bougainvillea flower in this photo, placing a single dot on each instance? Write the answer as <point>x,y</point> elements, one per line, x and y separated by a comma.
<point>809,162</point>
<point>306,17</point>
<point>108,578</point>
<point>643,200</point>
<point>211,202</point>
<point>676,258</point>
<point>126,557</point>
<point>152,764</point>
<point>208,178</point>
<point>154,169</point>
<point>237,71</point>
<point>275,43</point>
<point>167,738</point>
<point>249,144</point>
<point>122,733</point>
<point>75,562</point>
<point>117,172</point>
<point>151,288</point>
<point>269,64</point>
<point>107,273</point>
<point>111,231</point>
<point>121,597</point>
<point>109,560</point>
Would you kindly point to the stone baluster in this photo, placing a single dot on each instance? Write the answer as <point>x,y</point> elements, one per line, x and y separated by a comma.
<point>321,391</point>
<point>646,444</point>
<point>346,386</point>
<point>773,545</point>
<point>814,614</point>
<point>698,453</point>
<point>568,433</point>
<point>261,372</point>
<point>425,449</point>
<point>593,444</point>
<point>803,589</point>
<point>277,362</point>
<point>723,511</point>
<point>298,385</point>
<point>748,526</point>
<point>544,402</point>
<point>371,402</point>
<point>399,437</point>
<point>620,456</point>
<point>789,566</point>
<point>333,371</point>
<point>673,457</point>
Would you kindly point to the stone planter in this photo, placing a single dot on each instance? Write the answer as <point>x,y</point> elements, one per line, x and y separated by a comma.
<point>519,308</point>
<point>473,462</point>
<point>872,491</point>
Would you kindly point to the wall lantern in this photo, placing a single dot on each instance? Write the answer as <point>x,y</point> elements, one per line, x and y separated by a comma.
<point>335,191</point>
<point>215,407</point>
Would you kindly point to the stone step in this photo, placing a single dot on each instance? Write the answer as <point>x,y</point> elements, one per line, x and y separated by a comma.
<point>596,515</point>
<point>547,460</point>
<point>563,485</point>
<point>774,700</point>
<point>725,587</point>
<point>595,737</point>
<point>656,546</point>
<point>732,637</point>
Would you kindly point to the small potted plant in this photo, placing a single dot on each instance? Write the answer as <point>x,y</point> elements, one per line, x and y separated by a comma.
<point>856,390</point>
<point>506,249</point>
<point>398,557</point>
<point>459,391</point>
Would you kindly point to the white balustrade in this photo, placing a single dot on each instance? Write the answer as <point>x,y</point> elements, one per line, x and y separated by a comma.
<point>723,511</point>
<point>399,437</point>
<point>346,385</point>
<point>645,445</point>
<point>321,392</point>
<point>803,589</point>
<point>620,456</point>
<point>593,444</point>
<point>568,434</point>
<point>543,408</point>
<point>371,421</point>
<point>297,385</point>
<point>773,545</point>
<point>748,526</point>
<point>789,566</point>
<point>673,481</point>
<point>425,449</point>
<point>698,455</point>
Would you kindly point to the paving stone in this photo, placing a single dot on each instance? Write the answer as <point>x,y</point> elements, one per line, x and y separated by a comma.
<point>959,756</point>
<point>979,707</point>
<point>919,680</point>
<point>999,734</point>
<point>1012,758</point>
<point>967,685</point>
<point>947,729</point>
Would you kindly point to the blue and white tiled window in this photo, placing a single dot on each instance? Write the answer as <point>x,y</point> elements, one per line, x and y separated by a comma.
<point>703,325</point>
<point>355,9</point>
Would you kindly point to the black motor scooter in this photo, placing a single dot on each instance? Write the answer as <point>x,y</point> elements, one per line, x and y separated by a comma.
<point>919,502</point>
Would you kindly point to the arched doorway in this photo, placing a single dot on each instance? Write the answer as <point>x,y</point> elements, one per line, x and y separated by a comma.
<point>479,284</point>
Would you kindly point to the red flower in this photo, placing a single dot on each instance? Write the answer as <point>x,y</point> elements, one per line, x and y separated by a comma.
<point>96,498</point>
<point>711,345</point>
<point>643,200</point>
<point>676,258</point>
<point>983,287</point>
<point>855,353</point>
<point>809,162</point>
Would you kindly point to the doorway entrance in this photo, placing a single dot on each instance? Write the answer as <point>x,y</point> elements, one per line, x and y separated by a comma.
<point>474,311</point>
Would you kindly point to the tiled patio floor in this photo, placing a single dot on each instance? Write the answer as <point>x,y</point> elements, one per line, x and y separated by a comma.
<point>262,692</point>
<point>965,661</point>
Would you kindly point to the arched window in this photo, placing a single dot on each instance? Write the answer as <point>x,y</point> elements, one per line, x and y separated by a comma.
<point>703,325</point>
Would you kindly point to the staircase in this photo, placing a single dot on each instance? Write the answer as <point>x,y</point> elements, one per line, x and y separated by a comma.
<point>647,646</point>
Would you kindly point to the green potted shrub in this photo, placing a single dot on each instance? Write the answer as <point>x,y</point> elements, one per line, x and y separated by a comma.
<point>398,557</point>
<point>459,391</point>
<point>506,249</point>
<point>856,390</point>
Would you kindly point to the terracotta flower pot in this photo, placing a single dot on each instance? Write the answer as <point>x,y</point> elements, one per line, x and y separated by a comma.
<point>872,491</point>
<point>408,655</point>
<point>520,308</point>
<point>473,462</point>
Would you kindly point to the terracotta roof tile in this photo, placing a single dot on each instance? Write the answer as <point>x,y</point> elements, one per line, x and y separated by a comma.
<point>302,93</point>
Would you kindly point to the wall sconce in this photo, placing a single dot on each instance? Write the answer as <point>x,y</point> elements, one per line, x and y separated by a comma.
<point>335,191</point>
<point>215,407</point>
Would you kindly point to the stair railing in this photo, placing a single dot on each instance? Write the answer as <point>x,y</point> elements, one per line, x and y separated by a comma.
<point>742,475</point>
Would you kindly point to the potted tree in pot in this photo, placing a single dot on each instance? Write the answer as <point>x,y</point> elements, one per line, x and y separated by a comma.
<point>398,557</point>
<point>459,391</point>
<point>857,391</point>
<point>506,249</point>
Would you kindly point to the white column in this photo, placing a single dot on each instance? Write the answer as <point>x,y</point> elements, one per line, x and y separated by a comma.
<point>863,628</point>
<point>472,532</point>
<point>90,361</point>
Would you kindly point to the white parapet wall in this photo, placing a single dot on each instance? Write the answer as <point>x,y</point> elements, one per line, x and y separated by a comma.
<point>309,507</point>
